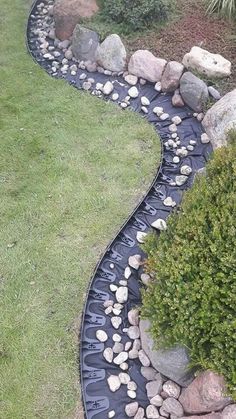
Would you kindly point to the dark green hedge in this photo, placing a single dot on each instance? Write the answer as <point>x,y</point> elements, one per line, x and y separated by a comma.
<point>192,299</point>
<point>136,14</point>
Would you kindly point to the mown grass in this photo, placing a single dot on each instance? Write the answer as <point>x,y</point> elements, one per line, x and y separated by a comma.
<point>71,169</point>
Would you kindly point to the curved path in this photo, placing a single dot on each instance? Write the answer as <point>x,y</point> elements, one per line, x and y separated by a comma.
<point>97,398</point>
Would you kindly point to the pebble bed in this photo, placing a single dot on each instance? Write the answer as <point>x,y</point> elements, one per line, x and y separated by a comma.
<point>117,378</point>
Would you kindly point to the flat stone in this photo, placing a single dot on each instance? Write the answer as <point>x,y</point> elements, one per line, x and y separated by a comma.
<point>101,336</point>
<point>114,383</point>
<point>115,96</point>
<point>145,65</point>
<point>164,116</point>
<point>173,407</point>
<point>206,63</point>
<point>157,86</point>
<point>131,409</point>
<point>124,366</point>
<point>152,412</point>
<point>132,386</point>
<point>149,373</point>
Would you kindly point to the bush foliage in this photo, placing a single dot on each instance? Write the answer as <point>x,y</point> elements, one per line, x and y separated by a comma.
<point>136,14</point>
<point>225,8</point>
<point>192,299</point>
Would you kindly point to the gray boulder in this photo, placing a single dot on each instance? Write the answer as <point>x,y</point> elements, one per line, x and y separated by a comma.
<point>84,44</point>
<point>111,54</point>
<point>193,91</point>
<point>171,76</point>
<point>220,119</point>
<point>173,363</point>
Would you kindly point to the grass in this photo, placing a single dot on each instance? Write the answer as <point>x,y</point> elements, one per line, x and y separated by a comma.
<point>71,170</point>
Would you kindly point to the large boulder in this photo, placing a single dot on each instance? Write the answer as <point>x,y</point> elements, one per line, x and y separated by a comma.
<point>173,363</point>
<point>205,394</point>
<point>84,44</point>
<point>206,63</point>
<point>193,91</point>
<point>111,54</point>
<point>171,76</point>
<point>208,416</point>
<point>229,412</point>
<point>220,118</point>
<point>145,65</point>
<point>67,13</point>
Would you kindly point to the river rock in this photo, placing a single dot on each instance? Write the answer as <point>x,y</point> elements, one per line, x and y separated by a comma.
<point>173,407</point>
<point>67,13</point>
<point>84,43</point>
<point>145,65</point>
<point>108,355</point>
<point>135,261</point>
<point>122,295</point>
<point>205,394</point>
<point>214,93</point>
<point>108,88</point>
<point>101,335</point>
<point>206,63</point>
<point>149,373</point>
<point>130,79</point>
<point>143,358</point>
<point>140,413</point>
<point>119,359</point>
<point>194,91</point>
<point>133,332</point>
<point>159,224</point>
<point>131,409</point>
<point>157,400</point>
<point>114,383</point>
<point>229,412</point>
<point>111,54</point>
<point>214,415</point>
<point>124,378</point>
<point>171,76</point>
<point>133,317</point>
<point>154,387</point>
<point>171,389</point>
<point>116,322</point>
<point>173,363</point>
<point>133,92</point>
<point>220,118</point>
<point>152,412</point>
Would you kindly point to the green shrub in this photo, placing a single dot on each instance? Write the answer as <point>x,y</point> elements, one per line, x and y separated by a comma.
<point>192,299</point>
<point>226,8</point>
<point>136,14</point>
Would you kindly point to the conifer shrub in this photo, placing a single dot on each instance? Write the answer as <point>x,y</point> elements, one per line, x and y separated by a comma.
<point>192,298</point>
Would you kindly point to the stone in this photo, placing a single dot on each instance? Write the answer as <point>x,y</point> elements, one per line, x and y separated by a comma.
<point>214,93</point>
<point>149,373</point>
<point>130,79</point>
<point>172,128</point>
<point>69,54</point>
<point>181,180</point>
<point>204,138</point>
<point>229,412</point>
<point>157,86</point>
<point>176,159</point>
<point>140,413</point>
<point>135,261</point>
<point>157,400</point>
<point>169,202</point>
<point>141,236</point>
<point>185,170</point>
<point>111,54</point>
<point>173,363</point>
<point>115,96</point>
<point>131,409</point>
<point>133,317</point>
<point>124,378</point>
<point>87,85</point>
<point>124,366</point>
<point>208,416</point>
<point>67,13</point>
<point>143,358</point>
<point>132,394</point>
<point>159,224</point>
<point>119,359</point>
<point>152,412</point>
<point>145,65</point>
<point>116,322</point>
<point>176,120</point>
<point>108,303</point>
<point>113,287</point>
<point>133,332</point>
<point>116,337</point>
<point>171,389</point>
<point>164,116</point>
<point>220,119</point>
<point>122,295</point>
<point>118,348</point>
<point>177,100</point>
<point>163,412</point>
<point>127,272</point>
<point>145,101</point>
<point>114,383</point>
<point>101,336</point>
<point>173,407</point>
<point>145,278</point>
<point>132,386</point>
<point>84,43</point>
<point>111,414</point>
<point>206,63</point>
<point>200,116</point>
<point>154,387</point>
<point>108,88</point>
<point>133,92</point>
<point>171,76</point>
<point>158,110</point>
<point>205,394</point>
<point>108,355</point>
<point>128,345</point>
<point>194,91</point>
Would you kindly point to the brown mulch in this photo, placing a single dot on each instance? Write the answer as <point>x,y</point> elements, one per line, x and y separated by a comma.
<point>192,27</point>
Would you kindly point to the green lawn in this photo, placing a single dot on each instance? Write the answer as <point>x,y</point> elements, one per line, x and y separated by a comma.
<point>71,170</point>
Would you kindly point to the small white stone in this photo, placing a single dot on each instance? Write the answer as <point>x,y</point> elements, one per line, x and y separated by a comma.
<point>116,322</point>
<point>204,138</point>
<point>164,116</point>
<point>101,336</point>
<point>133,92</point>
<point>116,311</point>
<point>176,159</point>
<point>158,110</point>
<point>108,310</point>
<point>159,224</point>
<point>132,80</point>
<point>192,142</point>
<point>118,348</point>
<point>156,400</point>
<point>143,358</point>
<point>123,282</point>
<point>83,76</point>
<point>116,337</point>
<point>142,81</point>
<point>157,86</point>
<point>172,128</point>
<point>152,412</point>
<point>112,265</point>
<point>73,73</point>
<point>131,394</point>
<point>108,88</point>
<point>169,202</point>
<point>185,170</point>
<point>131,409</point>
<point>144,109</point>
<point>200,117</point>
<point>124,378</point>
<point>145,278</point>
<point>128,346</point>
<point>133,317</point>
<point>174,135</point>
<point>141,236</point>
<point>108,355</point>
<point>133,332</point>
<point>176,120</point>
<point>135,261</point>
<point>127,272</point>
<point>120,358</point>
<point>123,105</point>
<point>114,383</point>
<point>145,101</point>
<point>99,86</point>
<point>111,414</point>
<point>132,386</point>
<point>115,96</point>
<point>190,147</point>
<point>124,366</point>
<point>181,180</point>
<point>113,287</point>
<point>108,303</point>
<point>122,294</point>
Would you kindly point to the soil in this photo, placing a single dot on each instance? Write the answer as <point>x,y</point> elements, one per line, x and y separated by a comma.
<point>192,27</point>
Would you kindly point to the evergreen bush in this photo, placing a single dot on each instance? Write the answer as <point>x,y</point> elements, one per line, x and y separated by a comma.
<point>192,299</point>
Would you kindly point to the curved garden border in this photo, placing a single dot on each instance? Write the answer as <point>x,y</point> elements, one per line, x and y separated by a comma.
<point>110,269</point>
